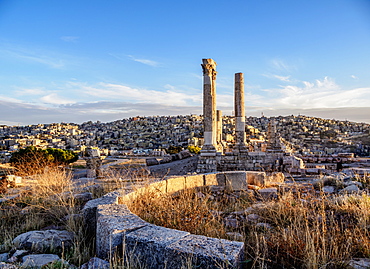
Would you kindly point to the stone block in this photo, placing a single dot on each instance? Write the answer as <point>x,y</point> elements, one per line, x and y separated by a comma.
<point>39,260</point>
<point>89,212</point>
<point>151,241</point>
<point>205,252</point>
<point>268,193</point>
<point>236,180</point>
<point>159,187</point>
<point>175,184</point>
<point>194,181</point>
<point>256,178</point>
<point>152,161</point>
<point>113,221</point>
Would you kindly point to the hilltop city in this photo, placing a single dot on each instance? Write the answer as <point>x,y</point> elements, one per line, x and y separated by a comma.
<point>149,135</point>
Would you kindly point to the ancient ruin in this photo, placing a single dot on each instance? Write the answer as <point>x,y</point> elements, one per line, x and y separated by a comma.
<point>214,156</point>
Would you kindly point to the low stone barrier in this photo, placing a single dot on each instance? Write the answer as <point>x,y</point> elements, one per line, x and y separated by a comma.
<point>119,231</point>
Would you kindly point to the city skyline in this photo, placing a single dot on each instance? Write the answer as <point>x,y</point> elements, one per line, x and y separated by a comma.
<point>92,60</point>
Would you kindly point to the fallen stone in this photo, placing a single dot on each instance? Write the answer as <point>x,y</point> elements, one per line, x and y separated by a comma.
<point>231,223</point>
<point>235,236</point>
<point>41,241</point>
<point>328,189</point>
<point>350,189</point>
<point>205,252</point>
<point>263,225</point>
<point>256,178</point>
<point>17,255</point>
<point>95,263</point>
<point>253,217</point>
<point>359,263</point>
<point>4,257</point>
<point>39,260</point>
<point>82,198</point>
<point>152,161</point>
<point>268,193</point>
<point>152,241</point>
<point>349,183</point>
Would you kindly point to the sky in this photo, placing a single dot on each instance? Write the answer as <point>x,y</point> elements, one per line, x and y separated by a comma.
<point>75,61</point>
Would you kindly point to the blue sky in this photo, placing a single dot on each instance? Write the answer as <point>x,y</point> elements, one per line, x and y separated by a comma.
<point>75,61</point>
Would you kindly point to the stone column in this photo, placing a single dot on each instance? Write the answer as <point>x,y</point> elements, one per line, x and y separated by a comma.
<point>239,114</point>
<point>219,130</point>
<point>207,161</point>
<point>209,105</point>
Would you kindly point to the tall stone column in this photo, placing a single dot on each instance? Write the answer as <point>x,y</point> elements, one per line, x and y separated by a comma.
<point>207,161</point>
<point>239,114</point>
<point>209,106</point>
<point>219,130</point>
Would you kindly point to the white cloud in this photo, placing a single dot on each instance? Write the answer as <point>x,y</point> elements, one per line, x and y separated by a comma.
<point>55,99</point>
<point>323,93</point>
<point>35,91</point>
<point>107,91</point>
<point>354,77</point>
<point>282,78</point>
<point>144,61</point>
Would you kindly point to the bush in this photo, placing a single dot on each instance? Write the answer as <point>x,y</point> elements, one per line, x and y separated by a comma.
<point>32,160</point>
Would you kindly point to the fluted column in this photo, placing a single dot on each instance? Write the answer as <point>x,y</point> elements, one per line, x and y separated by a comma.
<point>209,105</point>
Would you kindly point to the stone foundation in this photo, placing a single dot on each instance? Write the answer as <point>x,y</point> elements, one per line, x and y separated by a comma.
<point>120,232</point>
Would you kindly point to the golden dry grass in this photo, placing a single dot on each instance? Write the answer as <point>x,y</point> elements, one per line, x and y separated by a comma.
<point>316,231</point>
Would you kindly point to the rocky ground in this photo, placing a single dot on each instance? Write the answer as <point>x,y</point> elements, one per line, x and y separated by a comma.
<point>35,249</point>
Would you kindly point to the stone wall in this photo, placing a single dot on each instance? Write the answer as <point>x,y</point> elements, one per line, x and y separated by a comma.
<point>119,231</point>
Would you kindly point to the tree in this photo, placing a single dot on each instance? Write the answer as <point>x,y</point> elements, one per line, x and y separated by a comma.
<point>31,160</point>
<point>194,149</point>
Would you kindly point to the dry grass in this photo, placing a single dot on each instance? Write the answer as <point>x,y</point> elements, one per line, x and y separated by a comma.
<point>315,232</point>
<point>191,210</point>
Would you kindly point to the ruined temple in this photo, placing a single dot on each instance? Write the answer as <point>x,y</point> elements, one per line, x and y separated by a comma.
<point>213,156</point>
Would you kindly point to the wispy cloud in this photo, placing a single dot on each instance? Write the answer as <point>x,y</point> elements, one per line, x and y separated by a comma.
<point>35,56</point>
<point>72,39</point>
<point>55,99</point>
<point>322,93</point>
<point>35,91</point>
<point>281,65</point>
<point>354,77</point>
<point>144,61</point>
<point>108,91</point>
<point>282,78</point>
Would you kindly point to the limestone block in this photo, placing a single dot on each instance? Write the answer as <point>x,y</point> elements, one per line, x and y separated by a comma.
<point>256,178</point>
<point>48,240</point>
<point>194,181</point>
<point>113,221</point>
<point>268,193</point>
<point>95,263</point>
<point>89,212</point>
<point>205,252</point>
<point>38,260</point>
<point>211,179</point>
<point>221,179</point>
<point>236,180</point>
<point>159,187</point>
<point>151,241</point>
<point>151,161</point>
<point>175,184</point>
